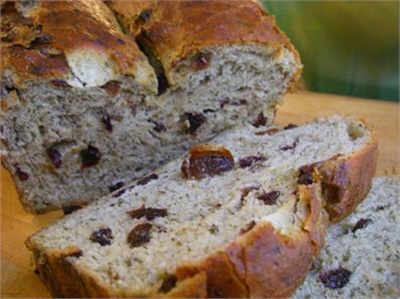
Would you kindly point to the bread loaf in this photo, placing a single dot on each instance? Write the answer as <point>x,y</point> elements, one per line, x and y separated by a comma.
<point>361,257</point>
<point>86,107</point>
<point>241,216</point>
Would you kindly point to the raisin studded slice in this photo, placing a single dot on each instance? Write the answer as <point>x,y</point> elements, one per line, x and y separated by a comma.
<point>140,235</point>
<point>149,213</point>
<point>250,160</point>
<point>335,279</point>
<point>362,223</point>
<point>22,175</point>
<point>168,284</point>
<point>269,198</point>
<point>195,121</point>
<point>201,61</point>
<point>248,227</point>
<point>102,236</point>
<point>70,209</point>
<point>260,121</point>
<point>55,157</point>
<point>290,126</point>
<point>206,160</point>
<point>107,123</point>
<point>90,156</point>
<point>147,179</point>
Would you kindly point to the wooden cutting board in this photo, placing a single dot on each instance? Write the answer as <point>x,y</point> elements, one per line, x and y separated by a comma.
<point>17,277</point>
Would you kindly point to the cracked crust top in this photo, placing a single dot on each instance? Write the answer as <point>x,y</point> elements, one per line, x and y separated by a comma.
<point>78,41</point>
<point>178,30</point>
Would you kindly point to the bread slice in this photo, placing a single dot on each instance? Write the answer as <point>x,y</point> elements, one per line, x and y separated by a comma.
<point>84,111</point>
<point>241,216</point>
<point>361,258</point>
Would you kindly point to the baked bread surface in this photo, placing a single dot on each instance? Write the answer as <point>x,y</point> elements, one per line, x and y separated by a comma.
<point>94,96</point>
<point>251,231</point>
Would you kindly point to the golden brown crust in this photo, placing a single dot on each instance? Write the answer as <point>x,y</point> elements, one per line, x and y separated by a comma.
<point>64,279</point>
<point>273,264</point>
<point>178,30</point>
<point>222,280</point>
<point>347,180</point>
<point>36,46</point>
<point>261,262</point>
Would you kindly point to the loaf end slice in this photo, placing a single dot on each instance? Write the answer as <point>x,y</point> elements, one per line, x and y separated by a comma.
<point>223,217</point>
<point>361,256</point>
<point>86,111</point>
<point>227,56</point>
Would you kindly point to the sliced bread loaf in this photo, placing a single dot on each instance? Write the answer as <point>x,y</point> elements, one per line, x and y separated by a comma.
<point>239,217</point>
<point>362,254</point>
<point>86,108</point>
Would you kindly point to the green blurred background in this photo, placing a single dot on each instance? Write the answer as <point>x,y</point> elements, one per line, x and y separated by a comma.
<point>347,47</point>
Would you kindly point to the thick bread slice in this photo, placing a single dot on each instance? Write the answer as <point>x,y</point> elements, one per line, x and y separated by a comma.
<point>367,244</point>
<point>83,111</point>
<point>226,53</point>
<point>253,231</point>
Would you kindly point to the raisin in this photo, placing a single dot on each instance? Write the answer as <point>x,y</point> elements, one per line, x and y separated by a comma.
<point>168,284</point>
<point>22,175</point>
<point>195,121</point>
<point>107,123</point>
<point>112,87</point>
<point>269,198</point>
<point>206,160</point>
<point>90,156</point>
<point>70,209</point>
<point>260,121</point>
<point>289,146</point>
<point>201,61</point>
<point>144,16</point>
<point>140,235</point>
<point>270,132</point>
<point>55,157</point>
<point>60,83</point>
<point>250,160</point>
<point>146,179</point>
<point>159,127</point>
<point>362,223</point>
<point>102,236</point>
<point>335,279</point>
<point>290,126</point>
<point>149,213</point>
<point>223,102</point>
<point>248,227</point>
<point>115,186</point>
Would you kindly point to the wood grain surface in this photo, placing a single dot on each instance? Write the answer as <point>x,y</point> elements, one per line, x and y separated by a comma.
<point>17,277</point>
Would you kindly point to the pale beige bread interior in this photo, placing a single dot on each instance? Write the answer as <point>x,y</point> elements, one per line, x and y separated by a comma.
<point>369,251</point>
<point>204,216</point>
<point>94,89</point>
